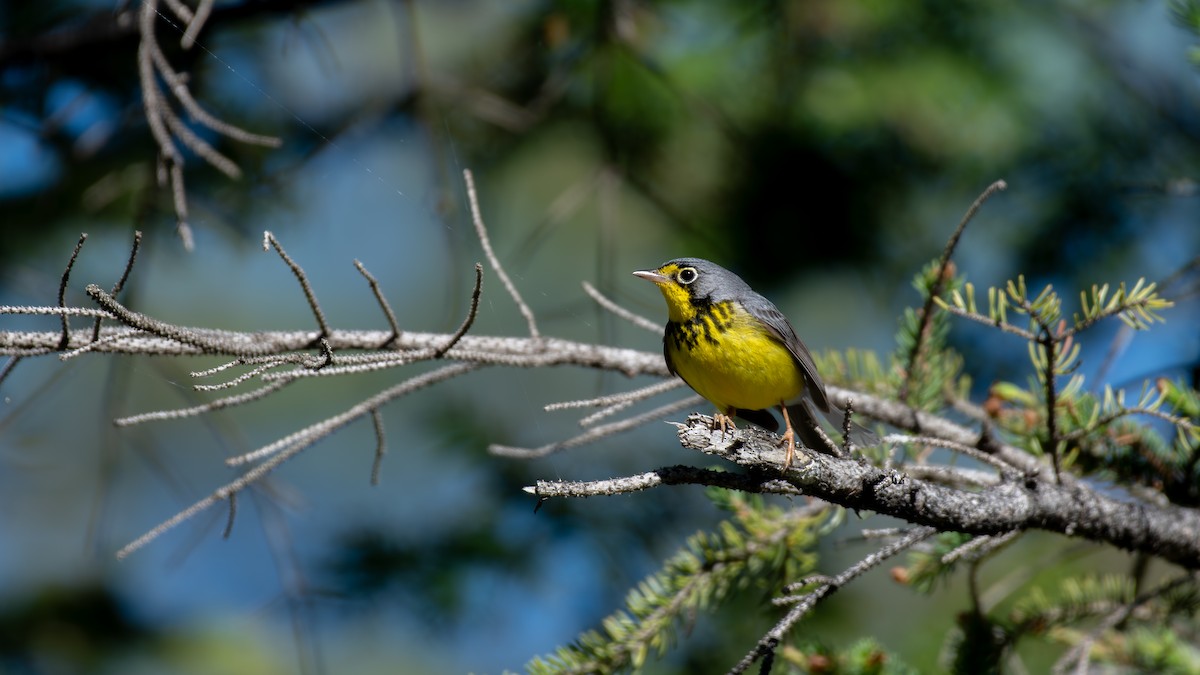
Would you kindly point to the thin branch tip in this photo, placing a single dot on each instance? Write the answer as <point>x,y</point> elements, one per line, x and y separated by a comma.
<point>493,260</point>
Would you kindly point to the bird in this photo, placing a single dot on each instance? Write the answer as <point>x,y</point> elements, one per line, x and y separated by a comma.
<point>736,349</point>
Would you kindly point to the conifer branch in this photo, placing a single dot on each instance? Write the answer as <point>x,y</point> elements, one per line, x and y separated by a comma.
<point>1072,509</point>
<point>826,586</point>
<point>757,540</point>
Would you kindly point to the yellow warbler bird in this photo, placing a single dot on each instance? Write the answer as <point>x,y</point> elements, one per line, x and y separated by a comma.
<point>734,347</point>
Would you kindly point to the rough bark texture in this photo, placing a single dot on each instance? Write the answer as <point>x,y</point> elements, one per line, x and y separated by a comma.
<point>1075,509</point>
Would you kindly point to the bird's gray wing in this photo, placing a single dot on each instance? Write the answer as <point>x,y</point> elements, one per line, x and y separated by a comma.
<point>781,329</point>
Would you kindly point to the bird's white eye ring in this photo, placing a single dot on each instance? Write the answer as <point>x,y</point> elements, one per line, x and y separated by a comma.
<point>687,275</point>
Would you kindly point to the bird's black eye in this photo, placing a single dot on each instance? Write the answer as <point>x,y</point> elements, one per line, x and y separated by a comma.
<point>687,275</point>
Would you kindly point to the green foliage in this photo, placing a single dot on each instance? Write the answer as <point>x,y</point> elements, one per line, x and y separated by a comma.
<point>1146,639</point>
<point>1093,432</point>
<point>864,657</point>
<point>857,369</point>
<point>977,645</point>
<point>1138,307</point>
<point>1187,15</point>
<point>759,546</point>
<point>1077,598</point>
<point>926,568</point>
<point>1153,650</point>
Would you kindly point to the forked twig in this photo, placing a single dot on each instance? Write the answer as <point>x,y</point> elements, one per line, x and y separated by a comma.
<point>166,127</point>
<point>116,289</point>
<point>290,446</point>
<point>204,341</point>
<point>481,232</point>
<point>314,432</point>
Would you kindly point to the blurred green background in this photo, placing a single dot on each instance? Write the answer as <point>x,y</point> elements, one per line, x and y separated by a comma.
<point>823,149</point>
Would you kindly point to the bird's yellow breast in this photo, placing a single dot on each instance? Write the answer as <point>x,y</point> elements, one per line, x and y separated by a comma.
<point>731,359</point>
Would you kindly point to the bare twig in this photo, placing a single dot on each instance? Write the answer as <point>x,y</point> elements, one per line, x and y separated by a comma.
<point>179,196</point>
<point>383,303</point>
<point>315,432</point>
<point>270,240</point>
<point>915,353</point>
<point>380,446</point>
<point>232,516</point>
<point>165,125</point>
<point>596,433</point>
<point>196,23</point>
<point>119,334</point>
<point>470,318</point>
<point>635,319</point>
<point>669,475</point>
<point>1050,345</point>
<point>604,413</point>
<point>179,413</point>
<point>978,547</point>
<point>9,366</point>
<point>180,10</point>
<point>62,291</point>
<point>489,349</point>
<point>206,341</point>
<point>481,232</point>
<point>983,319</point>
<point>116,289</point>
<point>45,310</point>
<point>249,374</point>
<point>1005,468</point>
<point>614,403</point>
<point>611,399</point>
<point>295,443</point>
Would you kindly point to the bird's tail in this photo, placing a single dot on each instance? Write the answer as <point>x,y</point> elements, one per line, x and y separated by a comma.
<point>804,418</point>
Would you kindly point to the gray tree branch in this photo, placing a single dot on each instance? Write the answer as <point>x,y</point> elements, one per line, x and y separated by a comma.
<point>1075,510</point>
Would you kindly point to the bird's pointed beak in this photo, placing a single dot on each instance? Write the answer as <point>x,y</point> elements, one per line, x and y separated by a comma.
<point>652,276</point>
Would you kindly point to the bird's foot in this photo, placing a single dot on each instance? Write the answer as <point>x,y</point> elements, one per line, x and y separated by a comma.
<point>789,439</point>
<point>724,423</point>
